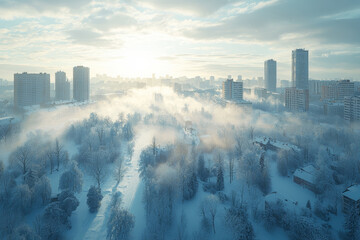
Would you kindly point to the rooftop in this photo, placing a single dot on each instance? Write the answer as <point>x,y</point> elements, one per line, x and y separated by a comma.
<point>353,192</point>
<point>307,173</point>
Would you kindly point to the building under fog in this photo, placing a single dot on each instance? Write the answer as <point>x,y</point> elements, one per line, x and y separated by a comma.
<point>62,86</point>
<point>232,91</point>
<point>300,69</point>
<point>270,75</point>
<point>352,108</point>
<point>81,83</point>
<point>337,90</point>
<point>31,89</point>
<point>297,99</point>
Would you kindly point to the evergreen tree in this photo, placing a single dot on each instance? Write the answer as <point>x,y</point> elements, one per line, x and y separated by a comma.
<point>94,198</point>
<point>352,226</point>
<point>220,179</point>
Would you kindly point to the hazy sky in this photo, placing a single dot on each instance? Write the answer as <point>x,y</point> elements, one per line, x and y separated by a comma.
<point>179,37</point>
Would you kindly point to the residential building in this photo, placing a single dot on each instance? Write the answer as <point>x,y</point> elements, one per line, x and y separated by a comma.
<point>300,69</point>
<point>62,86</point>
<point>306,177</point>
<point>31,89</point>
<point>351,199</point>
<point>297,99</point>
<point>337,90</point>
<point>81,83</point>
<point>334,108</point>
<point>352,108</point>
<point>232,90</point>
<point>260,93</point>
<point>270,75</point>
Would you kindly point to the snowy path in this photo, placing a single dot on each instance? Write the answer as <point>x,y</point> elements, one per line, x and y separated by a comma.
<point>93,226</point>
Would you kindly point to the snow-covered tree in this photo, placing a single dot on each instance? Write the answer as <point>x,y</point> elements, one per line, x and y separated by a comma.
<point>30,178</point>
<point>22,157</point>
<point>127,131</point>
<point>21,198</point>
<point>202,171</point>
<point>94,198</point>
<point>189,182</point>
<point>120,223</point>
<point>238,221</point>
<point>97,166</point>
<point>42,190</point>
<point>220,178</point>
<point>24,232</point>
<point>71,179</point>
<point>119,168</point>
<point>209,209</point>
<point>68,202</point>
<point>54,221</point>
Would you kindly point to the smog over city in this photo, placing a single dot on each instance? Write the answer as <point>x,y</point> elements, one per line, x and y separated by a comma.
<point>180,120</point>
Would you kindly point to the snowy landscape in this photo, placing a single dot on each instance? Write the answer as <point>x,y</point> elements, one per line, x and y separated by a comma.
<point>179,120</point>
<point>176,167</point>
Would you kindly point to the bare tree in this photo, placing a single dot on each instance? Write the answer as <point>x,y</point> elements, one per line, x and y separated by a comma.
<point>251,133</point>
<point>50,157</point>
<point>100,133</point>
<point>210,206</point>
<point>97,167</point>
<point>22,156</point>
<point>231,157</point>
<point>58,153</point>
<point>119,169</point>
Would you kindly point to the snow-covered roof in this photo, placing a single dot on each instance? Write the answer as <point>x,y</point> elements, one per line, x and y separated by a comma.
<point>6,120</point>
<point>274,196</point>
<point>353,192</point>
<point>306,173</point>
<point>276,143</point>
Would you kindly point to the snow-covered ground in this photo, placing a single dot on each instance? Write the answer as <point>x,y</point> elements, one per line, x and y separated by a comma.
<point>86,225</point>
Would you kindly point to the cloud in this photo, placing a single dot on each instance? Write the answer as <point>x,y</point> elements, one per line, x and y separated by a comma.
<point>43,5</point>
<point>106,20</point>
<point>188,7</point>
<point>272,22</point>
<point>90,37</point>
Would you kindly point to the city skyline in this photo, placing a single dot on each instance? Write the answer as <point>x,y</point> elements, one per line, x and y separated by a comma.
<point>190,38</point>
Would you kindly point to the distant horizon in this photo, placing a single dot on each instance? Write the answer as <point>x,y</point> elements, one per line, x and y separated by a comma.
<point>179,38</point>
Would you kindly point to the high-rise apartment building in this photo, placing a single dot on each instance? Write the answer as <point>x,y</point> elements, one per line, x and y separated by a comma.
<point>297,99</point>
<point>31,89</point>
<point>81,83</point>
<point>62,86</point>
<point>270,75</point>
<point>352,108</point>
<point>232,90</point>
<point>300,69</point>
<point>337,90</point>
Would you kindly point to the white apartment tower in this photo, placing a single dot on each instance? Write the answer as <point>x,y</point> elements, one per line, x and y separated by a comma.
<point>81,83</point>
<point>31,89</point>
<point>232,90</point>
<point>62,86</point>
<point>270,75</point>
<point>297,99</point>
<point>300,69</point>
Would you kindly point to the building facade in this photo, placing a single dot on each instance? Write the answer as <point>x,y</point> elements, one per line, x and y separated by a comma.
<point>352,108</point>
<point>31,89</point>
<point>351,199</point>
<point>297,99</point>
<point>232,90</point>
<point>62,86</point>
<point>270,75</point>
<point>300,69</point>
<point>81,83</point>
<point>337,90</point>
